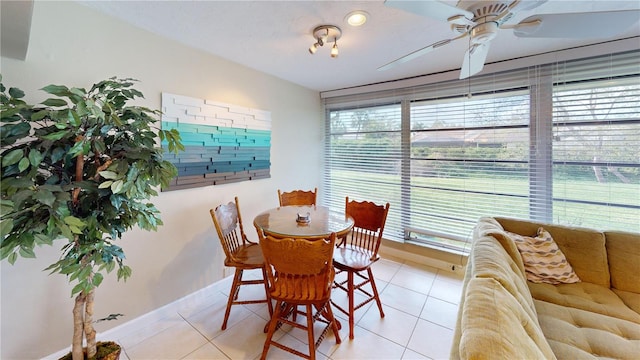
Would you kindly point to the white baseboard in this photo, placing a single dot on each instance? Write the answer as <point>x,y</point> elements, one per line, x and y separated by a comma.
<point>436,263</point>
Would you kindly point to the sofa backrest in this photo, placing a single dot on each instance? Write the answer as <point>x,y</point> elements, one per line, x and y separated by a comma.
<point>584,248</point>
<point>495,256</point>
<point>623,251</point>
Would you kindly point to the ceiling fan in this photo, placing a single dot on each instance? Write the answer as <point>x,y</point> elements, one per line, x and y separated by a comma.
<point>480,20</point>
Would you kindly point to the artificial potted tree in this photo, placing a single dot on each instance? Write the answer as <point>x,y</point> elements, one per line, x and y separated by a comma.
<point>81,166</point>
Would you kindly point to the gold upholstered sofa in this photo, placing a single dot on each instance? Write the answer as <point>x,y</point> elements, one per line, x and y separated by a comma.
<point>503,315</point>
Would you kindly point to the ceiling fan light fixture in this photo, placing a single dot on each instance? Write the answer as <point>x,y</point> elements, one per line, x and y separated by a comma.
<point>357,18</point>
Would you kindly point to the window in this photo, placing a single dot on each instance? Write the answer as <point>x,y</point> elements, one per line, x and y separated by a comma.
<point>363,158</point>
<point>553,143</point>
<point>596,148</point>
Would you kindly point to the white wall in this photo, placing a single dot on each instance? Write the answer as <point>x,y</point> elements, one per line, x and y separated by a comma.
<point>75,46</point>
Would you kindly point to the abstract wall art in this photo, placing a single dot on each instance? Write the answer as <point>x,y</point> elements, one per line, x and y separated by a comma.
<point>224,143</point>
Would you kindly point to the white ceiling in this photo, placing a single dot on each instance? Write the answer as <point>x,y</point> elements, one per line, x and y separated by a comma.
<point>273,36</point>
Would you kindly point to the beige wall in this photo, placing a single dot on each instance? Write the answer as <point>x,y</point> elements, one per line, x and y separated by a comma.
<point>75,46</point>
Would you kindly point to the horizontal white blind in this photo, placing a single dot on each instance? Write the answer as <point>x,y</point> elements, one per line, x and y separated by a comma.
<point>363,158</point>
<point>468,158</point>
<point>596,153</point>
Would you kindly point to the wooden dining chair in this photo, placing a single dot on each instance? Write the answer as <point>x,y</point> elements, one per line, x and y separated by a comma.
<point>240,253</point>
<point>301,274</point>
<point>297,197</point>
<point>356,252</point>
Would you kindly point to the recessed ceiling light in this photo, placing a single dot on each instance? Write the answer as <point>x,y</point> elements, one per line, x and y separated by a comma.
<point>357,18</point>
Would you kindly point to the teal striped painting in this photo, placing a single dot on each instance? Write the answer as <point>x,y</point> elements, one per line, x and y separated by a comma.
<point>223,143</point>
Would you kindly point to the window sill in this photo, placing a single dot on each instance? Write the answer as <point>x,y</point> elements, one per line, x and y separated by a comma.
<point>443,259</point>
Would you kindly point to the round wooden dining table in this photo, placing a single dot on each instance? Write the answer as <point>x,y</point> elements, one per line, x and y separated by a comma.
<point>282,222</point>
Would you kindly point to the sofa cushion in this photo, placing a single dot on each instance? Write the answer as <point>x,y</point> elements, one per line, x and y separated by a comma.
<point>495,325</point>
<point>543,261</point>
<point>579,334</point>
<point>623,251</point>
<point>632,300</point>
<point>585,296</point>
<point>584,248</point>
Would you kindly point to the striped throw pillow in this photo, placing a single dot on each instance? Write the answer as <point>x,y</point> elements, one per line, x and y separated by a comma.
<point>544,262</point>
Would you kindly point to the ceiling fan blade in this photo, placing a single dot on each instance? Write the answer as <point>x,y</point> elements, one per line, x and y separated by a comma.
<point>474,60</point>
<point>526,5</point>
<point>601,24</point>
<point>433,9</point>
<point>419,53</point>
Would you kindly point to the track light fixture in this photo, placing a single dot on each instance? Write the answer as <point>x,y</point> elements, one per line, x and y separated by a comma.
<point>323,34</point>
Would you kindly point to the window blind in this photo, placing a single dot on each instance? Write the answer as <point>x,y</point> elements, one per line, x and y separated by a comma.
<point>553,142</point>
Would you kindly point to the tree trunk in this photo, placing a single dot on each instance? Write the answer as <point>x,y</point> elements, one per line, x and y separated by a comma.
<point>89,331</point>
<point>78,327</point>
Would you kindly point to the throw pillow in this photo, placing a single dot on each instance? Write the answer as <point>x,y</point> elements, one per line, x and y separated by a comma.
<point>544,262</point>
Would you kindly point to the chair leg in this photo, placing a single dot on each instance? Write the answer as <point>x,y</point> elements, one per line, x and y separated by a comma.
<point>266,290</point>
<point>237,277</point>
<point>272,329</point>
<point>350,290</point>
<point>375,292</point>
<point>334,322</point>
<point>310,336</point>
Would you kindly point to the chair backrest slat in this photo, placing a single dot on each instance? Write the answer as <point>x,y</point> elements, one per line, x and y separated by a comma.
<point>299,269</point>
<point>297,197</point>
<point>369,220</point>
<point>228,223</point>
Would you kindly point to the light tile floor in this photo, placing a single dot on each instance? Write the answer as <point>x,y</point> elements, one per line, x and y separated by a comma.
<point>420,305</point>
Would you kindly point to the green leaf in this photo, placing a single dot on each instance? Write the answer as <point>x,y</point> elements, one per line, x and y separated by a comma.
<point>78,91</point>
<point>109,175</point>
<point>59,90</point>
<point>6,226</point>
<point>77,289</point>
<point>124,272</point>
<point>35,157</point>
<point>45,197</point>
<point>39,115</point>
<point>12,258</point>
<point>23,164</point>
<point>97,279</point>
<point>73,118</point>
<point>43,239</point>
<point>56,135</point>
<point>110,266</point>
<point>116,187</point>
<point>84,273</point>
<point>16,93</point>
<point>54,102</point>
<point>74,221</point>
<point>27,253</point>
<point>57,154</point>
<point>76,149</point>
<point>75,229</point>
<point>13,157</point>
<point>11,132</point>
<point>105,184</point>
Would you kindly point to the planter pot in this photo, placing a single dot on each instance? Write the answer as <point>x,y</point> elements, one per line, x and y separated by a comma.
<point>106,350</point>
